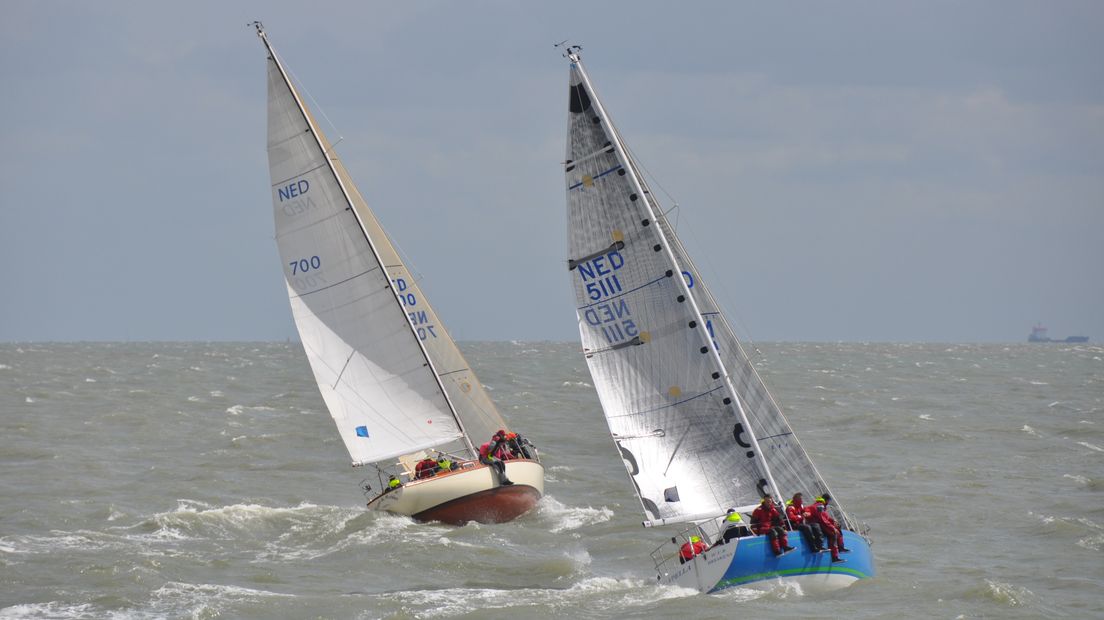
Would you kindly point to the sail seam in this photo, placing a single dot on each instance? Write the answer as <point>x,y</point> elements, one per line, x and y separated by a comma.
<point>643,411</point>
<point>336,283</point>
<point>301,174</point>
<point>452,372</point>
<point>291,231</point>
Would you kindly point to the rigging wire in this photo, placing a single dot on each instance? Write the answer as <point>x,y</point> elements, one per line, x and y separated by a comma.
<point>315,105</point>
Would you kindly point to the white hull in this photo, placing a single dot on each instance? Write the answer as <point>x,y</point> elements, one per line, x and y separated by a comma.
<point>469,494</point>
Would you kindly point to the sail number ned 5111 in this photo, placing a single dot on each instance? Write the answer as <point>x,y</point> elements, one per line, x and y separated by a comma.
<point>613,318</point>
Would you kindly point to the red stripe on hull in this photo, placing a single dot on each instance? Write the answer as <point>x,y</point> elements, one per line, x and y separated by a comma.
<point>497,505</point>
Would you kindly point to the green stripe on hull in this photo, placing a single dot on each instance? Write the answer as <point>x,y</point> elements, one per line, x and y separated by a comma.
<point>728,583</point>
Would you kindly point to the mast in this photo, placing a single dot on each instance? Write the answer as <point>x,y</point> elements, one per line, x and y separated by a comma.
<point>372,246</point>
<point>615,138</point>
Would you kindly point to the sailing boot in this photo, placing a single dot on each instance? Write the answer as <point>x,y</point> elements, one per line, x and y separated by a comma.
<point>775,547</point>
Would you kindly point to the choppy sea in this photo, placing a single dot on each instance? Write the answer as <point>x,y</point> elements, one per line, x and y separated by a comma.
<point>204,480</point>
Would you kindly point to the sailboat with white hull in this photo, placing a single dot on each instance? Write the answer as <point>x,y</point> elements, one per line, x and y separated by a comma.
<point>404,399</point>
<point>698,431</point>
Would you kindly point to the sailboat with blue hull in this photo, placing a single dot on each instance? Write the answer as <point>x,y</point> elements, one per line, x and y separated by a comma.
<point>703,440</point>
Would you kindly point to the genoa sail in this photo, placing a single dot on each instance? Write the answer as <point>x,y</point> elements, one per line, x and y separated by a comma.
<point>392,378</point>
<point>694,423</point>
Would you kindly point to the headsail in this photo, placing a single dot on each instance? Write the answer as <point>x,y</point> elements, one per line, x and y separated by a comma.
<point>354,302</point>
<point>687,410</point>
<point>470,401</point>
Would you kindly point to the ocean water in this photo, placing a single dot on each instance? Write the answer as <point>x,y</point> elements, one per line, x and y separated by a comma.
<point>204,480</point>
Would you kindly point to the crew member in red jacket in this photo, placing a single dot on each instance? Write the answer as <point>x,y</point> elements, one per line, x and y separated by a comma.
<point>487,457</point>
<point>767,520</point>
<point>810,531</point>
<point>426,468</point>
<point>830,527</point>
<point>691,548</point>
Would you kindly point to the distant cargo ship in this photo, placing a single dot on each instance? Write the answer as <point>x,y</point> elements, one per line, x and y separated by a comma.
<point>1039,334</point>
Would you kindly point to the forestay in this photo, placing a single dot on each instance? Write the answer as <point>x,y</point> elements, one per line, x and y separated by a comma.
<point>678,391</point>
<point>374,374</point>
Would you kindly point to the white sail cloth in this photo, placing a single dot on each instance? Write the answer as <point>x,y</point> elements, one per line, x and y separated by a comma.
<point>372,340</point>
<point>662,360</point>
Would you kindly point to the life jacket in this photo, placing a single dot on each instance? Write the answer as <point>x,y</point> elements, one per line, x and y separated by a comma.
<point>484,451</point>
<point>394,483</point>
<point>691,548</point>
<point>795,512</point>
<point>444,465</point>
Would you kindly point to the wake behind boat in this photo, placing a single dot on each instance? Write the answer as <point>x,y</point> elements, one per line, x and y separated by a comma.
<point>702,439</point>
<point>403,397</point>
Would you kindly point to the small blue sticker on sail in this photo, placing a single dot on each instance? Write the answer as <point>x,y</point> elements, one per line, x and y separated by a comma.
<point>362,431</point>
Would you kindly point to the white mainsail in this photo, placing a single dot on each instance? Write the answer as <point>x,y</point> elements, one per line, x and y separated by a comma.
<point>390,375</point>
<point>697,429</point>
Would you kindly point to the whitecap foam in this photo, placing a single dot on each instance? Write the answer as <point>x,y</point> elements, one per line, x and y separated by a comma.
<point>1011,595</point>
<point>1078,479</point>
<point>1090,446</point>
<point>1092,543</point>
<point>52,609</point>
<point>600,594</point>
<point>565,518</point>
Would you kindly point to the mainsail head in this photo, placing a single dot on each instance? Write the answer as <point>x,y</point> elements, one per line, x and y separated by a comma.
<point>693,422</point>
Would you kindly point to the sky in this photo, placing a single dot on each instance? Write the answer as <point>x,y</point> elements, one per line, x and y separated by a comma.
<point>846,171</point>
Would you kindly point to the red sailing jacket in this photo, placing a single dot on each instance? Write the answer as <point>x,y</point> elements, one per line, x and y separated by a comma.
<point>763,518</point>
<point>795,512</point>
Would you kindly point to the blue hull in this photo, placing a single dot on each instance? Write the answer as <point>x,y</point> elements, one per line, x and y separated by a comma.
<point>754,561</point>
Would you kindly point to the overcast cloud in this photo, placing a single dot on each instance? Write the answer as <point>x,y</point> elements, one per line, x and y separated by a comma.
<point>929,171</point>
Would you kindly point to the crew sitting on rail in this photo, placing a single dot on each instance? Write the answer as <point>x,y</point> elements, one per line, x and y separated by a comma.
<point>444,464</point>
<point>734,527</point>
<point>767,520</point>
<point>500,447</point>
<point>691,548</point>
<point>487,457</point>
<point>426,468</point>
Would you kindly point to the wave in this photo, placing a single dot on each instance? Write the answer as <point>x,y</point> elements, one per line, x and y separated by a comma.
<point>603,596</point>
<point>1006,594</point>
<point>565,518</point>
